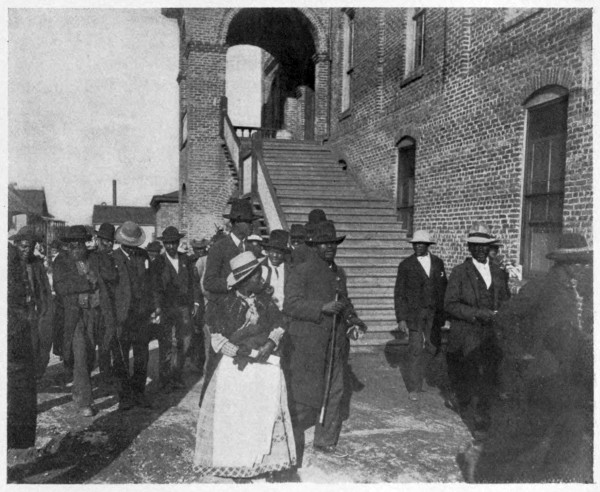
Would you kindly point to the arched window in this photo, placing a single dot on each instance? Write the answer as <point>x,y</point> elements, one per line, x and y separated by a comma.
<point>405,191</point>
<point>544,183</point>
<point>348,58</point>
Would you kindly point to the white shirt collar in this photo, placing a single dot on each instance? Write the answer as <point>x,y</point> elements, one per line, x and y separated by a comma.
<point>236,240</point>
<point>484,270</point>
<point>425,262</point>
<point>174,261</point>
<point>124,252</point>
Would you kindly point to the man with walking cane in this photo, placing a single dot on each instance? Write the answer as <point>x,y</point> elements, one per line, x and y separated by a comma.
<point>317,345</point>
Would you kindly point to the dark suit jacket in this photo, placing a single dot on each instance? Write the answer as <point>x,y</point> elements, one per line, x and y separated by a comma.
<point>411,285</point>
<point>124,291</point>
<point>312,284</point>
<point>217,267</point>
<point>463,301</point>
<point>172,288</point>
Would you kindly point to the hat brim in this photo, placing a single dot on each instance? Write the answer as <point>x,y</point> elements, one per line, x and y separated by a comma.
<point>279,247</point>
<point>571,256</point>
<point>337,240</point>
<point>21,237</point>
<point>128,241</point>
<point>480,240</point>
<point>232,281</point>
<point>169,239</point>
<point>102,236</point>
<point>421,241</point>
<point>84,239</point>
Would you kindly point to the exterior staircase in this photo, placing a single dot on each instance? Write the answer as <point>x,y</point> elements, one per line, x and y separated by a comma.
<point>306,176</point>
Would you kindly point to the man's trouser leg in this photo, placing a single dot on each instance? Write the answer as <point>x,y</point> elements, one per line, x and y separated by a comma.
<point>420,348</point>
<point>459,375</point>
<point>21,395</point>
<point>328,433</point>
<point>303,417</point>
<point>141,355</point>
<point>183,337</point>
<point>83,358</point>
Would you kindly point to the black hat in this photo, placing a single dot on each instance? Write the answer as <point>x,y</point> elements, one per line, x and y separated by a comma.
<point>298,231</point>
<point>26,232</point>
<point>171,234</point>
<point>278,239</point>
<point>325,233</point>
<point>241,211</point>
<point>77,233</point>
<point>317,215</point>
<point>106,231</point>
<point>154,246</point>
<point>572,248</point>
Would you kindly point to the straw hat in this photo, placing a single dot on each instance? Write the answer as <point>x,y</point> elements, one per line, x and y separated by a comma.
<point>242,266</point>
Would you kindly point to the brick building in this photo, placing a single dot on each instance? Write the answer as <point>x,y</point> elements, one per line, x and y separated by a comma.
<point>117,214</point>
<point>452,115</point>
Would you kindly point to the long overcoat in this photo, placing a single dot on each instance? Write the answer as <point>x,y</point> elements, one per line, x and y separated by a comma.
<point>172,288</point>
<point>310,286</point>
<point>463,301</point>
<point>68,283</point>
<point>138,263</point>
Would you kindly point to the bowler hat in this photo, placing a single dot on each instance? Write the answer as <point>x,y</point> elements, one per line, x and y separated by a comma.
<point>106,231</point>
<point>572,248</point>
<point>480,234</point>
<point>154,247</point>
<point>25,233</point>
<point>298,231</point>
<point>171,234</point>
<point>325,233</point>
<point>242,266</point>
<point>278,239</point>
<point>421,236</point>
<point>77,233</point>
<point>241,211</point>
<point>130,234</point>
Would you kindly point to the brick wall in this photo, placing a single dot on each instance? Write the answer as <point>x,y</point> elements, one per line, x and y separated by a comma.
<point>465,111</point>
<point>167,214</point>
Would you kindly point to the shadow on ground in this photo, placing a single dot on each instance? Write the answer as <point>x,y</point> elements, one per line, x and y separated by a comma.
<point>92,444</point>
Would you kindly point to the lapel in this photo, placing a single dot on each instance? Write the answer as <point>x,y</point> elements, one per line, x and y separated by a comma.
<point>416,265</point>
<point>474,277</point>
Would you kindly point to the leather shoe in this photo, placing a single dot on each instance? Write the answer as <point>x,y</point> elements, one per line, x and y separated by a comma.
<point>331,450</point>
<point>87,411</point>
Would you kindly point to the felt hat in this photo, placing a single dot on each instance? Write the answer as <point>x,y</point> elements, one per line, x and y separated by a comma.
<point>171,234</point>
<point>242,266</point>
<point>241,211</point>
<point>572,248</point>
<point>254,237</point>
<point>317,215</point>
<point>421,236</point>
<point>106,231</point>
<point>25,233</point>
<point>77,233</point>
<point>298,231</point>
<point>278,239</point>
<point>154,246</point>
<point>325,233</point>
<point>199,243</point>
<point>480,234</point>
<point>130,234</point>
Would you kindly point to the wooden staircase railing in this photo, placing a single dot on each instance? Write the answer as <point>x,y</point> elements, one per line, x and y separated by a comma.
<point>253,176</point>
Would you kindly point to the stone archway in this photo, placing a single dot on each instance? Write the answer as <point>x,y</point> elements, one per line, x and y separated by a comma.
<point>296,69</point>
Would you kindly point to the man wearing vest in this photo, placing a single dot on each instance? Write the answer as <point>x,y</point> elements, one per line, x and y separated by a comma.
<point>419,303</point>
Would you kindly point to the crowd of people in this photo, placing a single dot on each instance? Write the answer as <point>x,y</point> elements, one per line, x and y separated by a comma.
<point>269,324</point>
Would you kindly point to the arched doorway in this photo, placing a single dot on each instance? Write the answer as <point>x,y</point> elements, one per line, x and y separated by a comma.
<point>288,66</point>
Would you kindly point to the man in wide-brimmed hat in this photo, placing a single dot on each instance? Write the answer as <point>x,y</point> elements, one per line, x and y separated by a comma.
<point>133,306</point>
<point>419,304</point>
<point>316,299</point>
<point>476,290</point>
<point>276,270</point>
<point>244,426</point>
<point>304,249</point>
<point>80,278</point>
<point>177,298</point>
<point>546,333</point>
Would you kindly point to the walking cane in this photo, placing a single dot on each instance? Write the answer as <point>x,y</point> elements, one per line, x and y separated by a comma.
<point>330,365</point>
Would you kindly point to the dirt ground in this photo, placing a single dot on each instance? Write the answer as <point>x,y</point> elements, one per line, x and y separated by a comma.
<point>388,438</point>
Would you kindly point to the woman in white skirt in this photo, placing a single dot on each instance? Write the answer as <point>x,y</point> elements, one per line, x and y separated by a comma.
<point>244,427</point>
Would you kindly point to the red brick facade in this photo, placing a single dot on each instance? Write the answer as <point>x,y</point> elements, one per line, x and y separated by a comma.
<point>464,107</point>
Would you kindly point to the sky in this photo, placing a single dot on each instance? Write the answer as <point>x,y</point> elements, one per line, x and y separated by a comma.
<point>93,96</point>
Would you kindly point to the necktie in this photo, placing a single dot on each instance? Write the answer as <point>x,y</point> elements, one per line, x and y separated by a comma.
<point>241,248</point>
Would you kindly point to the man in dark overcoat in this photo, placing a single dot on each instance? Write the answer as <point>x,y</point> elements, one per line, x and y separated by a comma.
<point>177,299</point>
<point>476,290</point>
<point>316,299</point>
<point>304,249</point>
<point>419,303</point>
<point>76,279</point>
<point>21,414</point>
<point>133,305</point>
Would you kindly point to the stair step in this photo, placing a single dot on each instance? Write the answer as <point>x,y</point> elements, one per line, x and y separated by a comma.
<point>320,193</point>
<point>362,281</point>
<point>368,261</point>
<point>302,201</point>
<point>361,292</point>
<point>374,272</point>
